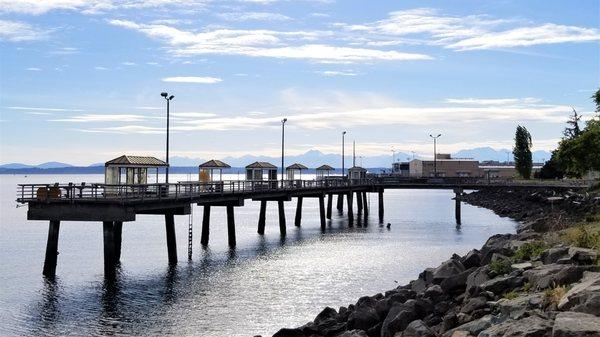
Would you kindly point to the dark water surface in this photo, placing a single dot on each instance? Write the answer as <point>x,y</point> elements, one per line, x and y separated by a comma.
<point>264,284</point>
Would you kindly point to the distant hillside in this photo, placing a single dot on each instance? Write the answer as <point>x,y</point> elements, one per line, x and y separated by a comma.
<point>500,155</point>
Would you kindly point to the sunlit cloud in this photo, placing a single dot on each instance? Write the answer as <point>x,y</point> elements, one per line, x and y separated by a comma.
<point>253,16</point>
<point>192,79</point>
<point>17,31</point>
<point>336,73</point>
<point>33,69</point>
<point>42,109</point>
<point>37,7</point>
<point>91,118</point>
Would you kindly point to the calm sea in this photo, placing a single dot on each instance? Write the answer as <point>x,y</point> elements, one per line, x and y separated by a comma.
<point>264,284</point>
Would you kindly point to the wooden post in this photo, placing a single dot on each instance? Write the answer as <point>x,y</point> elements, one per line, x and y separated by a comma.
<point>171,241</point>
<point>118,234</point>
<point>365,204</point>
<point>322,211</point>
<point>298,218</point>
<point>380,195</point>
<point>231,226</point>
<point>51,249</point>
<point>109,249</point>
<point>457,194</point>
<point>281,217</point>
<point>261,217</point>
<point>350,210</point>
<point>329,204</point>
<point>359,202</point>
<point>340,202</point>
<point>205,225</point>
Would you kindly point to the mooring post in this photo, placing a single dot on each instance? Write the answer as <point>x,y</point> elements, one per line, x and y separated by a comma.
<point>230,226</point>
<point>51,249</point>
<point>205,225</point>
<point>322,211</point>
<point>365,204</point>
<point>350,209</point>
<point>298,218</point>
<point>329,204</point>
<point>171,242</point>
<point>281,217</point>
<point>109,249</point>
<point>118,234</point>
<point>380,197</point>
<point>340,202</point>
<point>457,194</point>
<point>262,216</point>
<point>359,202</point>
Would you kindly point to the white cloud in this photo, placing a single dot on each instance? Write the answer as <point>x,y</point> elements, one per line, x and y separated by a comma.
<point>192,79</point>
<point>16,31</point>
<point>100,68</point>
<point>33,69</point>
<point>193,114</point>
<point>253,16</point>
<point>493,101</point>
<point>128,63</point>
<point>37,7</point>
<point>89,118</point>
<point>336,73</point>
<point>42,109</point>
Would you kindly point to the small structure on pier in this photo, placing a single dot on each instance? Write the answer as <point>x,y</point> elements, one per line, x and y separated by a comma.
<point>207,171</point>
<point>294,169</point>
<point>356,173</point>
<point>135,168</point>
<point>323,171</point>
<point>258,171</point>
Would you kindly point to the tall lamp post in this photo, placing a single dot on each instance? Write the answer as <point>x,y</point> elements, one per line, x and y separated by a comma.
<point>282,149</point>
<point>343,155</point>
<point>435,153</point>
<point>168,99</point>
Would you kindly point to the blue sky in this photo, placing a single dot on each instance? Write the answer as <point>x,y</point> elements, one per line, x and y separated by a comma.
<point>80,80</point>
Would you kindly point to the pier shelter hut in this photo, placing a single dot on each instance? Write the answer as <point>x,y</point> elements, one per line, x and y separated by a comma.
<point>131,170</point>
<point>356,173</point>
<point>261,174</point>
<point>294,174</point>
<point>210,174</point>
<point>323,171</point>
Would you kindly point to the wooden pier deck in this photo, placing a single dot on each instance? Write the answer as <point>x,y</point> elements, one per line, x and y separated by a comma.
<point>114,204</point>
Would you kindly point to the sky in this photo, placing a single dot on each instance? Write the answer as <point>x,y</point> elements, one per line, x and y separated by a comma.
<point>80,81</point>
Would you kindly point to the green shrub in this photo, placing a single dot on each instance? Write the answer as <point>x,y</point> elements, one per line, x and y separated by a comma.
<point>581,237</point>
<point>530,250</point>
<point>500,266</point>
<point>511,295</point>
<point>527,287</point>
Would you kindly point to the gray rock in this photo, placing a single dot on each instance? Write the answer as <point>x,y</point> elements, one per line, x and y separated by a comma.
<point>576,324</point>
<point>447,269</point>
<point>519,307</point>
<point>522,266</point>
<point>398,318</point>
<point>499,243</point>
<point>457,282</point>
<point>472,259</point>
<point>417,329</point>
<point>354,333</point>
<point>363,318</point>
<point>474,304</point>
<point>549,275</point>
<point>473,327</point>
<point>503,284</point>
<point>553,254</point>
<point>532,326</point>
<point>583,296</point>
<point>326,313</point>
<point>476,278</point>
<point>583,255</point>
<point>289,333</point>
<point>433,291</point>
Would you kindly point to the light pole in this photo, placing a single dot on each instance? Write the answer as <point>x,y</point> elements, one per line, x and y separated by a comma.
<point>435,154</point>
<point>168,99</point>
<point>282,149</point>
<point>343,155</point>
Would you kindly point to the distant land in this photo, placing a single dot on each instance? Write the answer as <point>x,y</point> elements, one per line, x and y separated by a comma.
<point>311,158</point>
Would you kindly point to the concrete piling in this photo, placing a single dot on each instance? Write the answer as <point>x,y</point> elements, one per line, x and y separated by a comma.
<point>205,225</point>
<point>282,229</point>
<point>230,226</point>
<point>350,209</point>
<point>171,241</point>
<point>262,217</point>
<point>118,234</point>
<point>298,218</point>
<point>51,249</point>
<point>322,211</point>
<point>329,204</point>
<point>359,202</point>
<point>340,202</point>
<point>380,197</point>
<point>109,249</point>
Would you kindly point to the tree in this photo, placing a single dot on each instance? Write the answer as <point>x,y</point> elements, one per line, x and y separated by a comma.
<point>572,130</point>
<point>596,98</point>
<point>522,152</point>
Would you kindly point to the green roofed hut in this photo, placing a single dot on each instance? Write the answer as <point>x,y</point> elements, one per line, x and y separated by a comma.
<point>323,171</point>
<point>261,173</point>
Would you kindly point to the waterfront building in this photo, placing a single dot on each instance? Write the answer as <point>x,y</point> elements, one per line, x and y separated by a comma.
<point>445,165</point>
<point>357,172</point>
<point>401,169</point>
<point>131,170</point>
<point>322,172</point>
<point>206,171</point>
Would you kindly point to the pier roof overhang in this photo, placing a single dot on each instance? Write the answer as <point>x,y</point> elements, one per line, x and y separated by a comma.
<point>296,166</point>
<point>324,168</point>
<point>214,164</point>
<point>136,161</point>
<point>261,165</point>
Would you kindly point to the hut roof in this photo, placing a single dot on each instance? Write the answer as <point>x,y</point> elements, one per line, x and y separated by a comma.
<point>136,161</point>
<point>261,165</point>
<point>214,164</point>
<point>357,168</point>
<point>296,166</point>
<point>324,168</point>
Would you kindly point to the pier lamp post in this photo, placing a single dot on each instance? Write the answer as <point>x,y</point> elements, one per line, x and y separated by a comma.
<point>435,153</point>
<point>282,149</point>
<point>168,99</point>
<point>343,155</point>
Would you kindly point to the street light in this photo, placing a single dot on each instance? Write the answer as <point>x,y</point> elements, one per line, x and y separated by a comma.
<point>434,153</point>
<point>282,150</point>
<point>343,156</point>
<point>168,99</point>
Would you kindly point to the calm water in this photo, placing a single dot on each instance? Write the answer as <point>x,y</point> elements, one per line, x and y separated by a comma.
<point>263,285</point>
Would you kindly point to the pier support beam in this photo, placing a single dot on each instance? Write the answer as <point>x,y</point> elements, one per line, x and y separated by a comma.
<point>109,249</point>
<point>365,204</point>
<point>231,226</point>
<point>205,225</point>
<point>457,193</point>
<point>171,242</point>
<point>322,210</point>
<point>118,235</point>
<point>298,218</point>
<point>380,197</point>
<point>51,249</point>
<point>262,216</point>
<point>359,202</point>
<point>281,217</point>
<point>350,210</point>
<point>340,202</point>
<point>329,204</point>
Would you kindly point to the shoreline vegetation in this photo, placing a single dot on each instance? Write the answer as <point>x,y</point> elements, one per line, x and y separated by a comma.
<point>542,281</point>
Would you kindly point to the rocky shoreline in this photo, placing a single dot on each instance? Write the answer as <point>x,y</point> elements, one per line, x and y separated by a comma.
<point>525,284</point>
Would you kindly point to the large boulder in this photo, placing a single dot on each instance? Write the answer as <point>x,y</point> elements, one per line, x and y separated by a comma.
<point>499,243</point>
<point>289,333</point>
<point>552,255</point>
<point>583,255</point>
<point>576,324</point>
<point>417,328</point>
<point>532,326</point>
<point>446,270</point>
<point>503,284</point>
<point>399,317</point>
<point>583,296</point>
<point>457,282</point>
<point>476,279</point>
<point>473,327</point>
<point>549,275</point>
<point>354,333</point>
<point>473,304</point>
<point>472,259</point>
<point>363,318</point>
<point>519,307</point>
<point>326,313</point>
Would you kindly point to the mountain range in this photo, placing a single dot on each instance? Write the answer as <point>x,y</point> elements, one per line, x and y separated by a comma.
<point>311,158</point>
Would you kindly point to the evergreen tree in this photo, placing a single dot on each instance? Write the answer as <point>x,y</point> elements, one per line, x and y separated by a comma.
<point>596,98</point>
<point>572,130</point>
<point>522,152</point>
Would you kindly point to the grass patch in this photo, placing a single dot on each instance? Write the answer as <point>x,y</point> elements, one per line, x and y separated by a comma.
<point>581,236</point>
<point>527,286</point>
<point>530,250</point>
<point>511,295</point>
<point>500,266</point>
<point>553,295</point>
